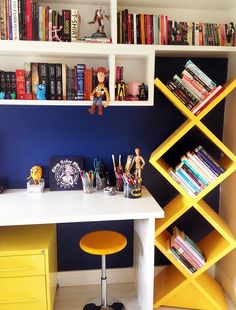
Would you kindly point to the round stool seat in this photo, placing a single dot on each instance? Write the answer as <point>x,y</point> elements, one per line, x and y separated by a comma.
<point>103,242</point>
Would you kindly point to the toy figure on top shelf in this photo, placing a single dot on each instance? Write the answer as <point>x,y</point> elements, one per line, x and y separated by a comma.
<point>120,87</point>
<point>98,18</point>
<point>100,93</point>
<point>143,92</point>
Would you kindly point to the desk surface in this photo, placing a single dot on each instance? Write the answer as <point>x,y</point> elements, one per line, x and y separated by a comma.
<point>18,207</point>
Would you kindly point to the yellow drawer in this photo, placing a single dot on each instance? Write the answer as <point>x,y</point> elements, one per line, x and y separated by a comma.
<point>26,293</point>
<point>23,265</point>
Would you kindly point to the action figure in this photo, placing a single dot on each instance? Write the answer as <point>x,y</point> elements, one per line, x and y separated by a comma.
<point>98,17</point>
<point>35,174</point>
<point>55,31</point>
<point>139,164</point>
<point>143,92</point>
<point>99,93</point>
<point>41,91</point>
<point>120,90</point>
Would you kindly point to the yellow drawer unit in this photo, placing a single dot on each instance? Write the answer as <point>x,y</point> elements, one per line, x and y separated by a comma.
<point>28,267</point>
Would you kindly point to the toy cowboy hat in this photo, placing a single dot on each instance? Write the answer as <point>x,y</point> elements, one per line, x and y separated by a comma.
<point>101,69</point>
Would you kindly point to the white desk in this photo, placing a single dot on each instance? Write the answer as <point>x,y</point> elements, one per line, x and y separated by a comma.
<point>17,207</point>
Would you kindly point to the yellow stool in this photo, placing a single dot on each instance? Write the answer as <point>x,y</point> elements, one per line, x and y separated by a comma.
<point>102,243</point>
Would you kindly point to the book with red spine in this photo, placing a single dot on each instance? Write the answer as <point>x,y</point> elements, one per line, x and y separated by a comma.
<point>129,29</point>
<point>47,23</point>
<point>29,27</point>
<point>148,29</point>
<point>28,81</point>
<point>20,84</point>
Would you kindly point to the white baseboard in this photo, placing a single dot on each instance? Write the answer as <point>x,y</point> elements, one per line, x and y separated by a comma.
<point>93,277</point>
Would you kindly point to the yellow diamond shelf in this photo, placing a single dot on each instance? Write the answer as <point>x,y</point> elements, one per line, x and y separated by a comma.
<point>176,286</point>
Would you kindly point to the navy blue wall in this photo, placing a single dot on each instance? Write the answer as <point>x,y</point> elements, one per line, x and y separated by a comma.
<point>31,135</point>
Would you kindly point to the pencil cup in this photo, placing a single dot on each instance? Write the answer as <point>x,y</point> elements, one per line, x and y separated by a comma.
<point>101,183</point>
<point>119,184</point>
<point>87,186</point>
<point>132,191</point>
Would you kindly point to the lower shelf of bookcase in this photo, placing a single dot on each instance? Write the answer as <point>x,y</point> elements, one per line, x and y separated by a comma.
<point>174,290</point>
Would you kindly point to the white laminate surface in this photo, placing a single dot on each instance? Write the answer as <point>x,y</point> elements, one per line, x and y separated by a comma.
<point>18,207</point>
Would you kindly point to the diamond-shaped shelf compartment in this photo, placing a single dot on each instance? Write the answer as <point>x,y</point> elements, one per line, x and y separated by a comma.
<point>176,286</point>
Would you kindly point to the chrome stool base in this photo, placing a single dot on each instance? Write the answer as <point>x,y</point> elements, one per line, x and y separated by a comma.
<point>114,306</point>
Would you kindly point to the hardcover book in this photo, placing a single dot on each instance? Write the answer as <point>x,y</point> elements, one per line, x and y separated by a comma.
<point>64,173</point>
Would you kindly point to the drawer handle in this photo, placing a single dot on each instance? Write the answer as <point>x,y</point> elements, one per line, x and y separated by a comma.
<point>17,301</point>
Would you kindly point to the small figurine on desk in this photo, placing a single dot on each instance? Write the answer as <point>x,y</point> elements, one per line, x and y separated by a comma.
<point>100,93</point>
<point>143,92</point>
<point>41,91</point>
<point>139,163</point>
<point>35,183</point>
<point>98,17</point>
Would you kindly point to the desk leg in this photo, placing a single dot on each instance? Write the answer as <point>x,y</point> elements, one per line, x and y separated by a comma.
<point>144,261</point>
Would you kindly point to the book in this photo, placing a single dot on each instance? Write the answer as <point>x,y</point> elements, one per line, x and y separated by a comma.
<point>43,76</point>
<point>58,77</point>
<point>188,257</point>
<point>52,82</point>
<point>210,159</point>
<point>35,78</point>
<point>180,172</point>
<point>181,183</point>
<point>20,84</point>
<point>75,25</point>
<point>29,33</point>
<point>193,245</point>
<point>80,69</point>
<point>28,81</point>
<point>195,171</point>
<point>207,99</point>
<point>15,20</point>
<point>3,87</point>
<point>66,23</point>
<point>199,258</point>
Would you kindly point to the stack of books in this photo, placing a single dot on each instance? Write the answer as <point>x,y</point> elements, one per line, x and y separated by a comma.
<point>185,250</point>
<point>196,171</point>
<point>194,88</point>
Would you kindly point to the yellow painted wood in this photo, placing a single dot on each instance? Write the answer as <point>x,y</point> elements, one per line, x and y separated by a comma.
<point>166,284</point>
<point>228,88</point>
<point>103,242</point>
<point>28,267</point>
<point>170,141</point>
<point>23,265</point>
<point>176,286</point>
<point>179,105</point>
<point>173,210</point>
<point>23,293</point>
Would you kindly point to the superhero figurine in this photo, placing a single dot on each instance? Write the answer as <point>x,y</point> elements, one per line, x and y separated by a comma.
<point>98,17</point>
<point>120,90</point>
<point>143,92</point>
<point>100,93</point>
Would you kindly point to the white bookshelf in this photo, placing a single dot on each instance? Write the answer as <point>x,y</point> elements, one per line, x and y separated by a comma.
<point>138,60</point>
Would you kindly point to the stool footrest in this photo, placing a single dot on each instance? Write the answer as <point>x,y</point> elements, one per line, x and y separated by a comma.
<point>114,306</point>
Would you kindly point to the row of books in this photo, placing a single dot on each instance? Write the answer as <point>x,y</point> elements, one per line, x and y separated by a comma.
<point>196,171</point>
<point>185,250</point>
<point>135,28</point>
<point>62,82</point>
<point>27,20</point>
<point>194,88</point>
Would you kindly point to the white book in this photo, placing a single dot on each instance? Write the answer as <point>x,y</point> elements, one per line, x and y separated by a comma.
<point>15,20</point>
<point>74,25</point>
<point>135,28</point>
<point>50,25</point>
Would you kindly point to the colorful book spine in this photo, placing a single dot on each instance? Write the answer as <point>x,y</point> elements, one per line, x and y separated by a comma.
<point>209,160</point>
<point>186,161</point>
<point>8,85</point>
<point>13,82</point>
<point>64,81</point>
<point>52,81</point>
<point>2,20</point>
<point>66,24</point>
<point>187,248</point>
<point>181,183</point>
<point>28,81</point>
<point>75,25</point>
<point>70,92</point>
<point>58,76</point>
<point>185,177</point>
<point>15,20</point>
<point>29,33</point>
<point>193,177</point>
<point>43,76</point>
<point>35,78</point>
<point>80,81</point>
<point>185,85</point>
<point>188,257</point>
<point>10,20</point>
<point>19,3</point>
<point>3,87</point>
<point>193,245</point>
<point>202,165</point>
<point>20,84</point>
<point>182,260</point>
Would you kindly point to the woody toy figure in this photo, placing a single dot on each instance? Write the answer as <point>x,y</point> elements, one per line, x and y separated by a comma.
<point>100,93</point>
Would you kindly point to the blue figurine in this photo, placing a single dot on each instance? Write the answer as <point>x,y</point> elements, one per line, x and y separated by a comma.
<point>2,95</point>
<point>41,91</point>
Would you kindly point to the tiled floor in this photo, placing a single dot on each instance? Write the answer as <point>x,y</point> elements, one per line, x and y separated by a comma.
<point>75,297</point>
